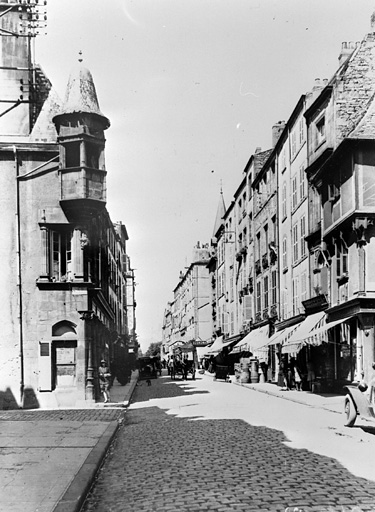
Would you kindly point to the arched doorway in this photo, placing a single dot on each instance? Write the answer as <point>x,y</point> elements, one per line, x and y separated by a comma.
<point>64,355</point>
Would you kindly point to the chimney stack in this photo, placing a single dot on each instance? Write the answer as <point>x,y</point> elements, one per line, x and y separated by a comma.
<point>315,91</point>
<point>347,48</point>
<point>317,84</point>
<point>277,130</point>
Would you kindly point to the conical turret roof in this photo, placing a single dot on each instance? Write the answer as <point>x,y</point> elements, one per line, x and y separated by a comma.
<point>80,96</point>
<point>219,214</point>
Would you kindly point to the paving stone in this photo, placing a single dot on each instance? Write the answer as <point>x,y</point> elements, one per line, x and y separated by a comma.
<point>164,463</point>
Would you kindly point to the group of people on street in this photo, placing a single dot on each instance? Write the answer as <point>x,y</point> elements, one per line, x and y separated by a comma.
<point>292,375</point>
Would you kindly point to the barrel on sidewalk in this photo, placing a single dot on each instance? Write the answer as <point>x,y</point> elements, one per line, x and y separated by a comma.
<point>254,371</point>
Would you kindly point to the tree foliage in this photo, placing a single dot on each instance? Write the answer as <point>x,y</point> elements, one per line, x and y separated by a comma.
<point>154,349</point>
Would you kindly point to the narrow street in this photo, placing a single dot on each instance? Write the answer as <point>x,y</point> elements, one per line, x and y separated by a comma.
<point>207,445</point>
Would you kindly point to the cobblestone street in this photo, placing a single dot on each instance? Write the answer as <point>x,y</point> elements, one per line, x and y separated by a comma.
<point>163,463</point>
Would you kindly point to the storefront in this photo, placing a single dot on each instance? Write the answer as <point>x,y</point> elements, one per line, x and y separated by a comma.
<point>253,347</point>
<point>324,353</point>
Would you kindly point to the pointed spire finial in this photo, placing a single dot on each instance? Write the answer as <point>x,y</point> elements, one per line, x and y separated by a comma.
<point>80,59</point>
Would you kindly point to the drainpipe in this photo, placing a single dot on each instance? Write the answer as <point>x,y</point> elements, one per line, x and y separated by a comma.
<point>19,274</point>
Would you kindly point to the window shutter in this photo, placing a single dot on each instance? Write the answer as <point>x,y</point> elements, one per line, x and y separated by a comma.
<point>248,310</point>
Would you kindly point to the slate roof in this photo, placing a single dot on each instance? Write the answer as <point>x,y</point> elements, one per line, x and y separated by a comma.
<point>80,96</point>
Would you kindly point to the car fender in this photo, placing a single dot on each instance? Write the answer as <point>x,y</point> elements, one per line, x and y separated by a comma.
<point>360,401</point>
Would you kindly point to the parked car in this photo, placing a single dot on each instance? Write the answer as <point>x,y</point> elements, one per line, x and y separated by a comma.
<point>359,402</point>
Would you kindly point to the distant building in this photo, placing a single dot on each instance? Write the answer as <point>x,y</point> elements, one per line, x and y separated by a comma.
<point>188,317</point>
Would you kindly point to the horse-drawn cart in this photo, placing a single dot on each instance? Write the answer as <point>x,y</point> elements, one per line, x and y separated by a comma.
<point>184,368</point>
<point>183,363</point>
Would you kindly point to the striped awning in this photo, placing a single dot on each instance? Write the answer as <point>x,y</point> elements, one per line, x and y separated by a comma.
<point>303,333</point>
<point>202,352</point>
<point>312,331</point>
<point>218,345</point>
<point>322,332</point>
<point>280,337</point>
<point>255,342</point>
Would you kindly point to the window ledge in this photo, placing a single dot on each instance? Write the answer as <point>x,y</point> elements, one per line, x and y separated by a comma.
<point>62,285</point>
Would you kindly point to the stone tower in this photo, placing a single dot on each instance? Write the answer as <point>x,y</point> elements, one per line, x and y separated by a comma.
<point>80,127</point>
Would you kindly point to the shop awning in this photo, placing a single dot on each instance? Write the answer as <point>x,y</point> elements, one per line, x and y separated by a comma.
<point>255,342</point>
<point>218,345</point>
<point>202,352</point>
<point>322,332</point>
<point>305,333</point>
<point>282,336</point>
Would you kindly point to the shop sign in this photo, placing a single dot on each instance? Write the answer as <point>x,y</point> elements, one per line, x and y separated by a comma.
<point>198,343</point>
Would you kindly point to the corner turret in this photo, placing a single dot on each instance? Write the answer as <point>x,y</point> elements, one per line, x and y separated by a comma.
<point>80,127</point>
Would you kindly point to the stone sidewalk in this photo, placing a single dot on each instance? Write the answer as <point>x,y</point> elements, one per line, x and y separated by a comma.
<point>330,401</point>
<point>49,458</point>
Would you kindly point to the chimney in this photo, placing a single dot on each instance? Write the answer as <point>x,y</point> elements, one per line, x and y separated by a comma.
<point>317,84</point>
<point>276,132</point>
<point>347,48</point>
<point>258,150</point>
<point>315,91</point>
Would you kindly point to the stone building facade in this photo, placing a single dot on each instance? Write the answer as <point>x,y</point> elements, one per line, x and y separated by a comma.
<point>65,265</point>
<point>188,317</point>
<point>296,244</point>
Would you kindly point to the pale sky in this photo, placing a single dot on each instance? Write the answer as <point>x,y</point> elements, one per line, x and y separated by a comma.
<point>192,88</point>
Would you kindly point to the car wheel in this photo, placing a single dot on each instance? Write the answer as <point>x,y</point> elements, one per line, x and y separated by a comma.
<point>349,411</point>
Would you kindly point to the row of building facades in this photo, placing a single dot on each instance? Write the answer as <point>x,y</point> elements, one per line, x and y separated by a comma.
<point>290,270</point>
<point>67,295</point>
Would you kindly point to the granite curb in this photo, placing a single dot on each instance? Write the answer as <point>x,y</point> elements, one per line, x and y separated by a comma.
<point>75,495</point>
<point>130,391</point>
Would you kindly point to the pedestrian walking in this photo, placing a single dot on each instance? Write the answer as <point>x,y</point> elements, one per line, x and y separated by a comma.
<point>310,375</point>
<point>297,379</point>
<point>283,370</point>
<point>170,365</point>
<point>291,373</point>
<point>104,380</point>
